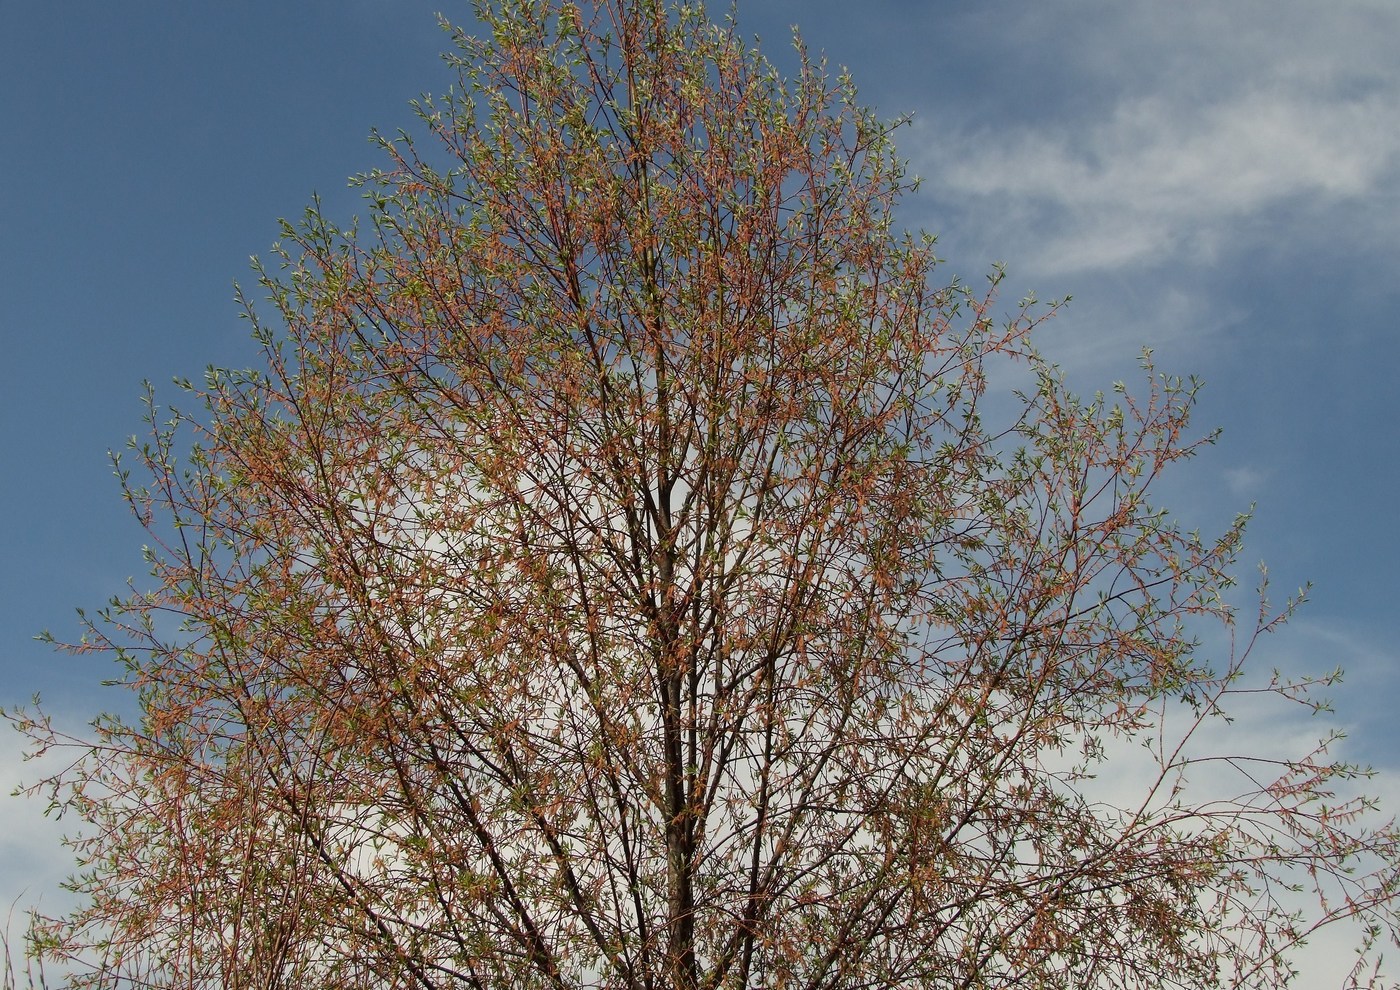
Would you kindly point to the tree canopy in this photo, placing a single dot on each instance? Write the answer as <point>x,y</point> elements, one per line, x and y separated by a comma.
<point>630,568</point>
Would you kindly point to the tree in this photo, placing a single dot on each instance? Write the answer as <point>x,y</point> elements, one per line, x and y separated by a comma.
<point>615,576</point>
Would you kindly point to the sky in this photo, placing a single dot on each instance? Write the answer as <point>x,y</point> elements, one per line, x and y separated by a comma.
<point>1219,182</point>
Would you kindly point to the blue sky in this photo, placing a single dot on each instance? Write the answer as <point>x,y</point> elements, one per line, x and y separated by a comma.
<point>1218,181</point>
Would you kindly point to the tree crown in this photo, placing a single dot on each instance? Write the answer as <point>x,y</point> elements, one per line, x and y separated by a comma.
<point>616,575</point>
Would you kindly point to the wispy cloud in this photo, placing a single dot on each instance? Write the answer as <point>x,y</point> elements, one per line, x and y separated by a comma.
<point>33,859</point>
<point>1160,181</point>
<point>1167,167</point>
<point>1245,480</point>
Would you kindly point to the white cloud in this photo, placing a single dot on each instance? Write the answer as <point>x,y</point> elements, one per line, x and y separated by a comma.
<point>1160,181</point>
<point>1187,149</point>
<point>33,859</point>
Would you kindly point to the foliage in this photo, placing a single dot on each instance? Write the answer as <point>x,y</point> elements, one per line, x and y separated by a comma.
<point>620,574</point>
